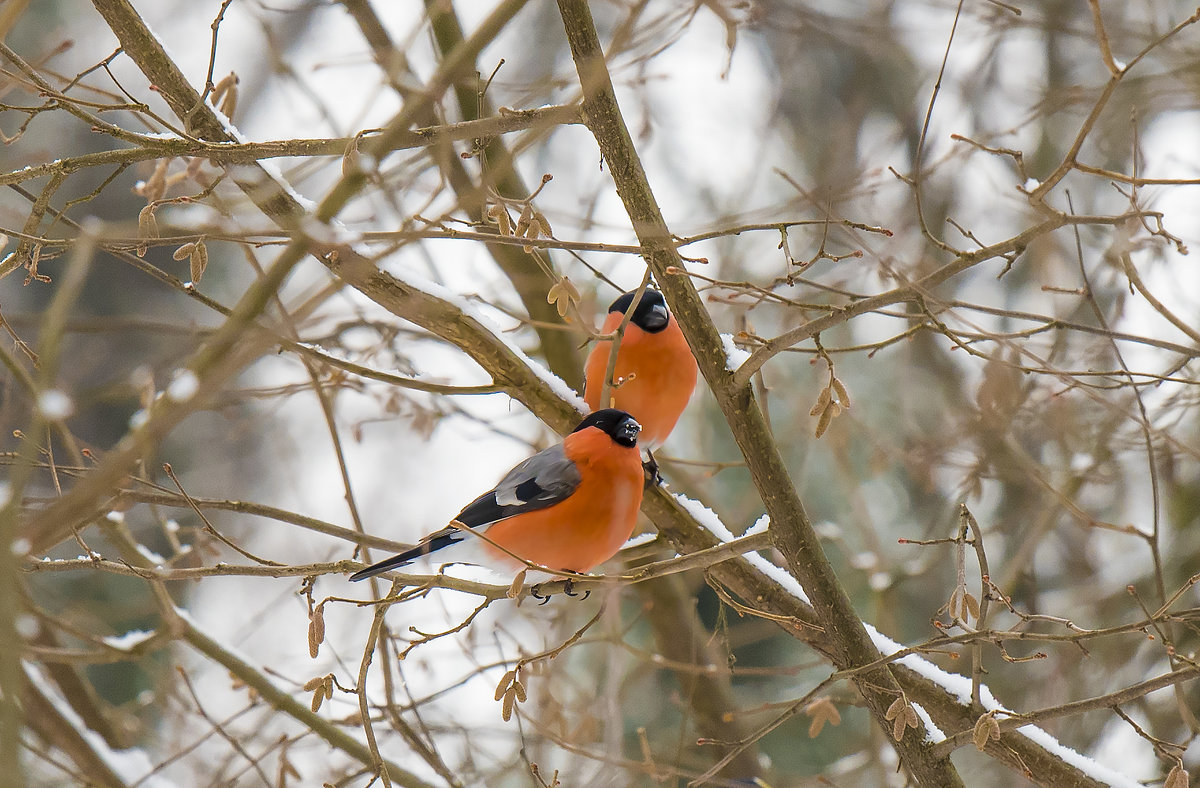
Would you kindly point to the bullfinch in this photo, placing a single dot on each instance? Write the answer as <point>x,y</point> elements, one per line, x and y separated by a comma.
<point>655,372</point>
<point>568,507</point>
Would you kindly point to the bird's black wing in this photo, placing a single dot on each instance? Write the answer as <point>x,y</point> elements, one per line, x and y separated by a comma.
<point>540,481</point>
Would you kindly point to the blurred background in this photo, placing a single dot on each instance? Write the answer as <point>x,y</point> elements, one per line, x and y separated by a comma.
<point>819,153</point>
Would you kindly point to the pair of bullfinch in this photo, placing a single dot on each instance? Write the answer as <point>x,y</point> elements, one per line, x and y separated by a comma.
<point>572,506</point>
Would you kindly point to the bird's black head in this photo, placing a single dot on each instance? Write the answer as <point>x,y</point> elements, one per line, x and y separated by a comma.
<point>617,424</point>
<point>651,314</point>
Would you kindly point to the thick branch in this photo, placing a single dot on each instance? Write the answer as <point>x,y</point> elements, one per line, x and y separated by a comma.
<point>791,529</point>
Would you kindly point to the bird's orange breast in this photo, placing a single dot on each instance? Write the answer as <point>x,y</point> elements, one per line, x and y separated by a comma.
<point>589,527</point>
<point>658,374</point>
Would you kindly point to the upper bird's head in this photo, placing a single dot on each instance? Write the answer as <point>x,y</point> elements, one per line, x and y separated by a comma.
<point>617,424</point>
<point>651,314</point>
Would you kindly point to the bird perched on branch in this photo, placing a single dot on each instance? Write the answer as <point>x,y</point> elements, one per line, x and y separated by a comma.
<point>569,507</point>
<point>655,372</point>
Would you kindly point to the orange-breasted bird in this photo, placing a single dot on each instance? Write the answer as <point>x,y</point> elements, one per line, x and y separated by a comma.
<point>568,507</point>
<point>655,372</point>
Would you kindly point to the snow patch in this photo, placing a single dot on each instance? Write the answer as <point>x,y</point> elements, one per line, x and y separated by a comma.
<point>933,734</point>
<point>708,520</point>
<point>734,355</point>
<point>151,556</point>
<point>130,639</point>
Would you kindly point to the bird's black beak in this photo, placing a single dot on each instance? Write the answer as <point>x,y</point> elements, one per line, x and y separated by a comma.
<point>656,319</point>
<point>627,433</point>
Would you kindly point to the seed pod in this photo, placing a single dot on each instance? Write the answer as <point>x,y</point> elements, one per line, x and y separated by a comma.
<point>532,232</point>
<point>823,422</point>
<point>524,219</point>
<point>229,103</point>
<point>156,187</point>
<point>505,680</point>
<point>198,261</point>
<point>843,395</point>
<point>499,215</point>
<point>147,224</point>
<point>822,400</point>
<point>316,631</point>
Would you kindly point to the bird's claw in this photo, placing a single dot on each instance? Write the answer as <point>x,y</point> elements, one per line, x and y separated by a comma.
<point>533,592</point>
<point>569,589</point>
<point>650,467</point>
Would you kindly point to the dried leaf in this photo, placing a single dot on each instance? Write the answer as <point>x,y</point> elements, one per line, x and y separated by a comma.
<point>986,728</point>
<point>821,711</point>
<point>972,606</point>
<point>514,590</point>
<point>224,94</point>
<point>229,103</point>
<point>198,262</point>
<point>1177,777</point>
<point>954,606</point>
<point>223,85</point>
<point>562,294</point>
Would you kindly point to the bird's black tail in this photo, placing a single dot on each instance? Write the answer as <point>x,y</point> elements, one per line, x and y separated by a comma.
<point>390,563</point>
<point>439,540</point>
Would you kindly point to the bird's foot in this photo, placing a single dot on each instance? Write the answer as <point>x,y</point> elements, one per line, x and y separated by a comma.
<point>569,589</point>
<point>650,467</point>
